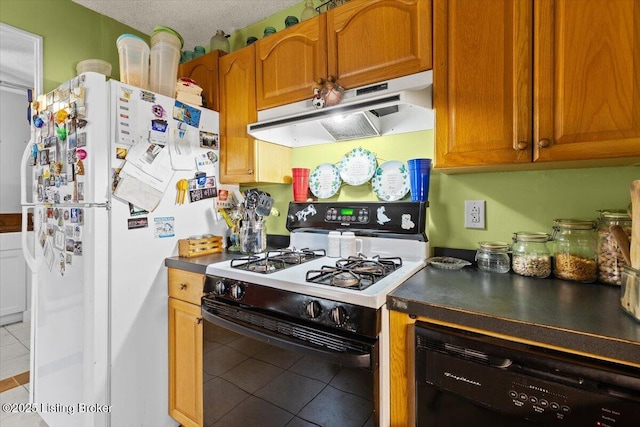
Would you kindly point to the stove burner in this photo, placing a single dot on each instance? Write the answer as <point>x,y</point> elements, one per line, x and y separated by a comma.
<point>276,260</point>
<point>354,272</point>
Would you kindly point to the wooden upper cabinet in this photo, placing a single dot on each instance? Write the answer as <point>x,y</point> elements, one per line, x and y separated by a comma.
<point>358,43</point>
<point>369,41</point>
<point>587,79</point>
<point>237,110</point>
<point>204,70</point>
<point>509,94</point>
<point>482,82</point>
<point>289,63</point>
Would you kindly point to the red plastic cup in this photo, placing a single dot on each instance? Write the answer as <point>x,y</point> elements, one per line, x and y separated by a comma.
<point>300,184</point>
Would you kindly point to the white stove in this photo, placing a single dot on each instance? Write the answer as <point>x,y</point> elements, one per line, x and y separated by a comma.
<point>294,278</point>
<point>279,303</point>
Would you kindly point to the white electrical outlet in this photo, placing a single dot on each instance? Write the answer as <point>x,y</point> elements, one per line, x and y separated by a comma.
<point>474,214</point>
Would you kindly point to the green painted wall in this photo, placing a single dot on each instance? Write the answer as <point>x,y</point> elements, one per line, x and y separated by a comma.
<point>515,201</point>
<point>70,32</point>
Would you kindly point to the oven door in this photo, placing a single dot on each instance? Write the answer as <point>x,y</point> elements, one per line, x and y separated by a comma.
<point>260,367</point>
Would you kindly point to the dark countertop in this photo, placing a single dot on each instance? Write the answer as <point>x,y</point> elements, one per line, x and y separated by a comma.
<point>583,318</point>
<point>199,264</point>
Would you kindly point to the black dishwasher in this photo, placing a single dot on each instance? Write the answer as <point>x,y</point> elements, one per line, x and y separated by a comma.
<point>464,379</point>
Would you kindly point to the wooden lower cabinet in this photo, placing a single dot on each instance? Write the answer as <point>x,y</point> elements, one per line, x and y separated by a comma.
<point>185,351</point>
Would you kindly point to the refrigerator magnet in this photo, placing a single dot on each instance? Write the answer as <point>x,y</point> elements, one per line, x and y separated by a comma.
<point>133,223</point>
<point>77,248</point>
<point>164,226</point>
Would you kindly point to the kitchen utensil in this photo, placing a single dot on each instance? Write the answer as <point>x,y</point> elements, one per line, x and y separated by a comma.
<point>265,203</point>
<point>623,242</point>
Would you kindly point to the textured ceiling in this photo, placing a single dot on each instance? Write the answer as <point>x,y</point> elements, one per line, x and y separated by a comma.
<point>195,20</point>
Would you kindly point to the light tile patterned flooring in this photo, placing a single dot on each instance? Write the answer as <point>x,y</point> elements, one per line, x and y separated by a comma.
<point>14,361</point>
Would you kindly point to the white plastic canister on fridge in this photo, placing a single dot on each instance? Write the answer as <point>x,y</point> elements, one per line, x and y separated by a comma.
<point>165,57</point>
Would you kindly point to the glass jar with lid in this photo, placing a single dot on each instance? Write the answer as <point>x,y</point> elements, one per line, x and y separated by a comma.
<point>493,257</point>
<point>530,255</point>
<point>576,244</point>
<point>610,259</point>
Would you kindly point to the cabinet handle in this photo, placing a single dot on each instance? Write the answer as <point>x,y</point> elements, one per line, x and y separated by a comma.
<point>198,320</point>
<point>320,81</point>
<point>250,171</point>
<point>544,143</point>
<point>183,286</point>
<point>521,145</point>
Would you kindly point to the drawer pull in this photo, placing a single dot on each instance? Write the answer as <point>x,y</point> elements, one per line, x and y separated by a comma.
<point>198,320</point>
<point>522,145</point>
<point>183,286</point>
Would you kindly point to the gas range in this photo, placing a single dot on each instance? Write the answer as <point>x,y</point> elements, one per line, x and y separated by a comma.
<point>392,233</point>
<point>306,302</point>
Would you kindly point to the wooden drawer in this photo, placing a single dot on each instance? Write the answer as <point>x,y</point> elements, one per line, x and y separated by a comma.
<point>185,285</point>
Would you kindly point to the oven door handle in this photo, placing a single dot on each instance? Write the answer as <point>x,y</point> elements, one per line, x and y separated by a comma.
<point>345,359</point>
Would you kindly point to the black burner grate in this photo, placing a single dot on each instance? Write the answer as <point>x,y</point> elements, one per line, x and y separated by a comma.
<point>276,260</point>
<point>357,272</point>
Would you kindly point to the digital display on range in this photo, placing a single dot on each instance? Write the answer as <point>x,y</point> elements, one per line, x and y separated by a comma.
<point>348,215</point>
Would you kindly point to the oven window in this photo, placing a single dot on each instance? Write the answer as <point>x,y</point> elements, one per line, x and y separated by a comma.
<point>249,383</point>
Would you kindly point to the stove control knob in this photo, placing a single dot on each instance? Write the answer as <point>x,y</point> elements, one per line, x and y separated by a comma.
<point>236,291</point>
<point>219,288</point>
<point>338,315</point>
<point>313,309</point>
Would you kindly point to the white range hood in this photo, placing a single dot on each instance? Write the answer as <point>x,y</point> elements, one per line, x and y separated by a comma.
<point>394,106</point>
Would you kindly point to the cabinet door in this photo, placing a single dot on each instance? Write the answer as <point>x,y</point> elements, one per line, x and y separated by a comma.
<point>237,110</point>
<point>185,363</point>
<point>587,79</point>
<point>482,82</point>
<point>204,70</point>
<point>289,63</point>
<point>13,276</point>
<point>374,40</point>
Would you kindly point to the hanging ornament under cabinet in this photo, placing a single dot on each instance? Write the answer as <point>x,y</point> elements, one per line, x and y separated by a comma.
<point>327,94</point>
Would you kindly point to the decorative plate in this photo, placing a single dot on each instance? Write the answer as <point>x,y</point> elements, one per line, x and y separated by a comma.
<point>324,181</point>
<point>357,166</point>
<point>391,181</point>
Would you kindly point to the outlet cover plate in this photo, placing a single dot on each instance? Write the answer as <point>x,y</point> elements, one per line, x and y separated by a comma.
<point>474,214</point>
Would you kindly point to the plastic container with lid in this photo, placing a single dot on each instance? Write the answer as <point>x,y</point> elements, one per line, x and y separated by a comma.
<point>94,65</point>
<point>133,54</point>
<point>493,257</point>
<point>165,57</point>
<point>530,255</point>
<point>575,257</point>
<point>610,259</point>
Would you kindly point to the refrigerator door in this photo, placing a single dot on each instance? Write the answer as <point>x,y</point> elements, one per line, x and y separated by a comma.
<point>142,239</point>
<point>69,157</point>
<point>70,316</point>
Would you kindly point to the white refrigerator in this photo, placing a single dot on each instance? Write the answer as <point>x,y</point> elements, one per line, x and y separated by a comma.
<point>100,178</point>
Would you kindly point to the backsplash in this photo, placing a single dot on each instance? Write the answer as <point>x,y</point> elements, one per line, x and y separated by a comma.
<point>515,201</point>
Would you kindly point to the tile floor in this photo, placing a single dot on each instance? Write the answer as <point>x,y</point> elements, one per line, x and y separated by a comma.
<point>14,360</point>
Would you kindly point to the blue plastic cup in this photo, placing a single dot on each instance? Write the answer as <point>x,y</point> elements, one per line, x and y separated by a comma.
<point>419,173</point>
